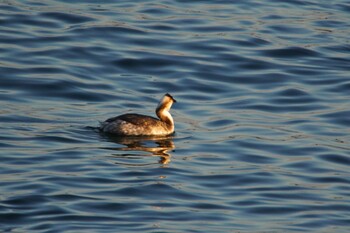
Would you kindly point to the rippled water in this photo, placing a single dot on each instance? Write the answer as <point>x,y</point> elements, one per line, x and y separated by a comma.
<point>262,119</point>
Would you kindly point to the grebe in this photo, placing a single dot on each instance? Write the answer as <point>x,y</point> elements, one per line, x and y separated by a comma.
<point>140,125</point>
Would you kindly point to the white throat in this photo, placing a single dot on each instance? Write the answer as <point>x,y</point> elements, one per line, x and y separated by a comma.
<point>163,113</point>
<point>166,117</point>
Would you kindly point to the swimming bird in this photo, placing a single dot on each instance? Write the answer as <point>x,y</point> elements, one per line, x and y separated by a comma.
<point>133,124</point>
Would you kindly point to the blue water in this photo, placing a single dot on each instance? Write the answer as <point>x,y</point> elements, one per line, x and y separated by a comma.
<point>262,139</point>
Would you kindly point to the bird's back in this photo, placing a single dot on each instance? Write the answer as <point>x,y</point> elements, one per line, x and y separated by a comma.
<point>134,124</point>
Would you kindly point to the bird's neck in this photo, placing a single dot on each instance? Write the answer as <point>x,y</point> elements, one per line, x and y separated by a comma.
<point>165,117</point>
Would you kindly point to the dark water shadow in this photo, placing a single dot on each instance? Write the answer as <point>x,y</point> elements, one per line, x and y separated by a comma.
<point>153,146</point>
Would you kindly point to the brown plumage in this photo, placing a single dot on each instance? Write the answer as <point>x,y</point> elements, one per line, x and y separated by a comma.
<point>137,125</point>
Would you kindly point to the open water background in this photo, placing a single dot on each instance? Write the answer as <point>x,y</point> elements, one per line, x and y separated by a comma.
<point>262,118</point>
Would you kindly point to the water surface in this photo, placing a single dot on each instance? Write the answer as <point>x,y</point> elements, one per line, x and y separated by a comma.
<point>262,119</point>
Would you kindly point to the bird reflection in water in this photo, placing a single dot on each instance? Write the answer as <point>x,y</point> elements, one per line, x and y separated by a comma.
<point>156,146</point>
